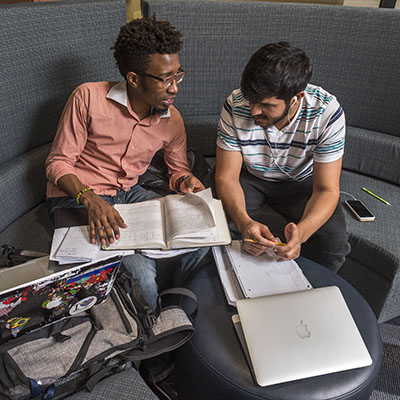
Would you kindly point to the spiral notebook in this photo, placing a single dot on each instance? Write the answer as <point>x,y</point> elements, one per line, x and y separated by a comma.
<point>246,276</point>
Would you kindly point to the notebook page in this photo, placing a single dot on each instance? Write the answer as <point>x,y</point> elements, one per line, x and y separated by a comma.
<point>264,275</point>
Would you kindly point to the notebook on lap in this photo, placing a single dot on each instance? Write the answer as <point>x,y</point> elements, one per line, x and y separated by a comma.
<point>35,294</point>
<point>299,335</point>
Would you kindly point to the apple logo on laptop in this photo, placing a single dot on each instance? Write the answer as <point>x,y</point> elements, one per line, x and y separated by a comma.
<point>302,331</point>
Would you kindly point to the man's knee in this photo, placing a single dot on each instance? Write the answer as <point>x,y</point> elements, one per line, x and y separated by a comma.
<point>326,257</point>
<point>329,246</point>
<point>144,270</point>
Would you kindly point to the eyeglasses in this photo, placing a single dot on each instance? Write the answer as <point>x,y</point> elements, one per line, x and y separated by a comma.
<point>167,82</point>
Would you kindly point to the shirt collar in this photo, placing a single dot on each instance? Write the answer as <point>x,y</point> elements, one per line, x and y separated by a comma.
<point>119,94</point>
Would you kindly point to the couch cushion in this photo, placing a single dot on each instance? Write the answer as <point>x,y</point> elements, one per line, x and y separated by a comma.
<point>354,52</point>
<point>202,133</point>
<point>374,153</point>
<point>22,185</point>
<point>373,265</point>
<point>47,49</point>
<point>384,232</point>
<point>32,231</point>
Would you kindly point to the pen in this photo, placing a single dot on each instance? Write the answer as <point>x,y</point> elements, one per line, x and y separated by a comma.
<point>377,197</point>
<point>254,241</point>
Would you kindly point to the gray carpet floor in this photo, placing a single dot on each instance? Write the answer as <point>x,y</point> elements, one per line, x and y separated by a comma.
<point>388,384</point>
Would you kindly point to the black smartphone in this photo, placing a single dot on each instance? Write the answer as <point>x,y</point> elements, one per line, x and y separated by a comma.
<point>359,210</point>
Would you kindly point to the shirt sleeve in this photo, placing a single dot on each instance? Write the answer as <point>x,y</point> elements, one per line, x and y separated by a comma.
<point>331,141</point>
<point>175,153</point>
<point>226,134</point>
<point>70,139</point>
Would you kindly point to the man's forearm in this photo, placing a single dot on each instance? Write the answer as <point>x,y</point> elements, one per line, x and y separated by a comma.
<point>318,210</point>
<point>71,185</point>
<point>233,200</point>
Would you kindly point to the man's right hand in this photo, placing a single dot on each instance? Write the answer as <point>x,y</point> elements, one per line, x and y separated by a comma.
<point>104,220</point>
<point>256,238</point>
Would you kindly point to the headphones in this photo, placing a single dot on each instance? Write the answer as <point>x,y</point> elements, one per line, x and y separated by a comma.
<point>290,108</point>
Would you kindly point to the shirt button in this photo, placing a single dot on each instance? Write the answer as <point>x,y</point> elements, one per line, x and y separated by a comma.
<point>133,147</point>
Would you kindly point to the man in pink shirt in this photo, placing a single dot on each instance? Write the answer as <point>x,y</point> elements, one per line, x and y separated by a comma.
<point>109,132</point>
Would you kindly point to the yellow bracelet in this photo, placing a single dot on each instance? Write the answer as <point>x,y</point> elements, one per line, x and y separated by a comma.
<point>78,196</point>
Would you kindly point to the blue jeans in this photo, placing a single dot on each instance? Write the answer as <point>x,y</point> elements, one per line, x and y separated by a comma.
<point>140,267</point>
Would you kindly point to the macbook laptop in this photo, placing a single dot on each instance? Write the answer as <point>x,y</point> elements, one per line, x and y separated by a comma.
<point>34,294</point>
<point>299,335</point>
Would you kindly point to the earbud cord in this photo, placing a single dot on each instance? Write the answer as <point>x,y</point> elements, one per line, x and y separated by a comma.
<point>274,157</point>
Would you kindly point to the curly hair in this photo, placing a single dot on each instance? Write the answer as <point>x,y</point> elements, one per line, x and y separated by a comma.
<point>276,69</point>
<point>140,38</point>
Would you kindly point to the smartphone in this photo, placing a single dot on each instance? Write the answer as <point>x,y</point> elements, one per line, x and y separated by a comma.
<point>359,210</point>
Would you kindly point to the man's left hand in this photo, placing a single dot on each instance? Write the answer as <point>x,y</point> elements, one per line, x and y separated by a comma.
<point>191,185</point>
<point>291,250</point>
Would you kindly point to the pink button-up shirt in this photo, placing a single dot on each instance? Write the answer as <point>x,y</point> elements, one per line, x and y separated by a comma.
<point>101,140</point>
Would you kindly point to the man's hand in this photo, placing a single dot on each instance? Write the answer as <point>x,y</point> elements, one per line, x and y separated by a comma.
<point>104,220</point>
<point>256,238</point>
<point>191,185</point>
<point>291,250</point>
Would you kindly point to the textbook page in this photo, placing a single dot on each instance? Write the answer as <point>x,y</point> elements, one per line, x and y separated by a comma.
<point>192,220</point>
<point>145,226</point>
<point>196,220</point>
<point>189,216</point>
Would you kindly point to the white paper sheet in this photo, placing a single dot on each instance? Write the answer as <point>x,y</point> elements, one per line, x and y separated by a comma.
<point>243,275</point>
<point>72,245</point>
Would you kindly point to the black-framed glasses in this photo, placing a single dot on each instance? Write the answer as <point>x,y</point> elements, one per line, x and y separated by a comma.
<point>167,82</point>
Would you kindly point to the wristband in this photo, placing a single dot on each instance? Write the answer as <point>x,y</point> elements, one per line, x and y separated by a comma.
<point>80,193</point>
<point>179,183</point>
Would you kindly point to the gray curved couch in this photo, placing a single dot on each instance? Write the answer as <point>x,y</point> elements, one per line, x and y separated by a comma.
<point>47,49</point>
<point>356,56</point>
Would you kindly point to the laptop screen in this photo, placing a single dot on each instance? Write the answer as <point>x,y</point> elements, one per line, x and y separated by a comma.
<point>43,301</point>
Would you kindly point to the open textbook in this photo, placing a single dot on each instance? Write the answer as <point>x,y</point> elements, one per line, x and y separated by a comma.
<point>171,222</point>
<point>245,276</point>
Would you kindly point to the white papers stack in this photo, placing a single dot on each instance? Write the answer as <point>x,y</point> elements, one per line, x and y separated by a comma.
<point>245,276</point>
<point>72,245</point>
<point>153,253</point>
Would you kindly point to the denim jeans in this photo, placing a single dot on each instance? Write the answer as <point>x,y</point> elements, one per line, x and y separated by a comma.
<point>140,267</point>
<point>328,246</point>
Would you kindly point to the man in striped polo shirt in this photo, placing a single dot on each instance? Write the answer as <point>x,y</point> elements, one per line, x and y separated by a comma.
<point>280,142</point>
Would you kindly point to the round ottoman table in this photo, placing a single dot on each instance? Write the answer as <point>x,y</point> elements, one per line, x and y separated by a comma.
<point>212,364</point>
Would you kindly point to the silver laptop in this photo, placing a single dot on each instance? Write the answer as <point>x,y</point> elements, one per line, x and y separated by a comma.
<point>299,335</point>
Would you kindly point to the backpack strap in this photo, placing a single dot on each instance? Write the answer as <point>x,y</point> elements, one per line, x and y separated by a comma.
<point>181,292</point>
<point>85,345</point>
<point>131,285</point>
<point>11,256</point>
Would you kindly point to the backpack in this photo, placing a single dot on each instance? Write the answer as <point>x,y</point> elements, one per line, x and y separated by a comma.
<point>156,177</point>
<point>74,353</point>
<point>11,256</point>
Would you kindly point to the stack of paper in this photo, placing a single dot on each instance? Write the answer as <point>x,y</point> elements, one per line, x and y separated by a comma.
<point>72,245</point>
<point>166,253</point>
<point>245,276</point>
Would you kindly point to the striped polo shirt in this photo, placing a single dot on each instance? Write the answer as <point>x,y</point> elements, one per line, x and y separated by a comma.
<point>316,133</point>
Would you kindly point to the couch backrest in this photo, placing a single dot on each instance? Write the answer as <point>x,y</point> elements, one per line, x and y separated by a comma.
<point>46,50</point>
<point>355,53</point>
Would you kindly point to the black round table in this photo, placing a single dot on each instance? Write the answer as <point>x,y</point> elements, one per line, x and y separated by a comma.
<point>212,365</point>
